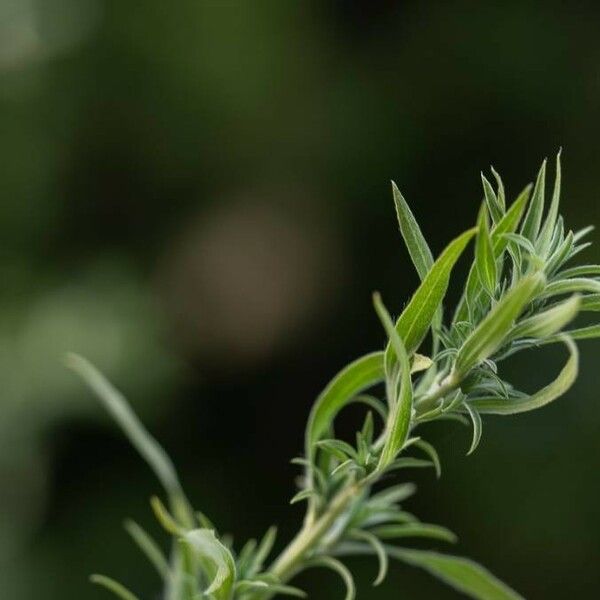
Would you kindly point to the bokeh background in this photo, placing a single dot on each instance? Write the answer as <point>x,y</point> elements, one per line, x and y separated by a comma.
<point>196,196</point>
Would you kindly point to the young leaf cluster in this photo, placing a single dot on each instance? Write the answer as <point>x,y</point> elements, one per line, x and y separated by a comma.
<point>522,291</point>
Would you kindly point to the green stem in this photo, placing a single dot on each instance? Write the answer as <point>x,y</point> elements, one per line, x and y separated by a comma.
<point>430,401</point>
<point>291,560</point>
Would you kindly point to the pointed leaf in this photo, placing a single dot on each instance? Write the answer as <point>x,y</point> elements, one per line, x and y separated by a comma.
<point>398,424</point>
<point>413,238</point>
<point>545,238</point>
<point>477,427</point>
<point>490,333</point>
<point>430,450</point>
<point>549,321</point>
<point>415,320</point>
<point>150,450</point>
<point>485,259</point>
<point>378,549</point>
<point>150,548</point>
<point>355,378</point>
<point>113,586</point>
<point>335,565</point>
<point>531,225</point>
<point>492,202</point>
<point>462,574</point>
<point>418,530</point>
<point>525,403</point>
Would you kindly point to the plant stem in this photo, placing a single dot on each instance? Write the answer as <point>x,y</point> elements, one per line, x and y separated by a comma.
<point>290,560</point>
<point>429,402</point>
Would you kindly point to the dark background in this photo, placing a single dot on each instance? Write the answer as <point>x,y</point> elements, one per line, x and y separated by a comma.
<point>195,195</point>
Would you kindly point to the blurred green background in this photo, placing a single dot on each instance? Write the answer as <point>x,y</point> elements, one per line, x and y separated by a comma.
<point>195,195</point>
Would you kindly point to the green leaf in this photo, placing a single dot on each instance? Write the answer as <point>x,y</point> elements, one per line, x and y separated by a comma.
<point>413,238</point>
<point>591,303</point>
<point>264,549</point>
<point>509,223</point>
<point>491,332</point>
<point>485,259</point>
<point>545,238</point>
<point>113,586</point>
<point>335,565</point>
<point>398,424</point>
<point>150,548</point>
<point>477,427</point>
<point>150,450</point>
<point>501,195</point>
<point>492,202</point>
<point>462,574</point>
<point>581,271</point>
<point>430,450</point>
<point>303,495</point>
<point>414,530</point>
<point>533,219</point>
<point>547,322</point>
<point>525,403</point>
<point>415,320</point>
<point>216,562</point>
<point>583,333</point>
<point>571,286</point>
<point>378,549</point>
<point>353,379</point>
<point>393,495</point>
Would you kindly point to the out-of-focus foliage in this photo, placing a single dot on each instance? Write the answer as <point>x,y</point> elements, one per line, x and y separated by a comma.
<point>223,165</point>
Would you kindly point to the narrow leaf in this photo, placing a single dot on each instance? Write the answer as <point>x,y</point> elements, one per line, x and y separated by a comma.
<point>150,548</point>
<point>545,238</point>
<point>500,195</point>
<point>490,333</point>
<point>378,549</point>
<point>485,259</point>
<point>531,225</point>
<point>335,565</point>
<point>433,455</point>
<point>462,574</point>
<point>525,403</point>
<point>547,322</point>
<point>492,202</point>
<point>398,423</point>
<point>147,446</point>
<point>477,427</point>
<point>358,376</point>
<point>413,238</point>
<point>415,320</point>
<point>414,530</point>
<point>113,586</point>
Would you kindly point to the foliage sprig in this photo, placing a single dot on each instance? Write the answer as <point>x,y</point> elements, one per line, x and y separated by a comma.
<point>521,292</point>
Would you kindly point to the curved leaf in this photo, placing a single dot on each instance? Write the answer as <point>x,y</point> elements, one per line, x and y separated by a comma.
<point>490,333</point>
<point>515,405</point>
<point>460,573</point>
<point>348,383</point>
<point>335,565</point>
<point>216,561</point>
<point>415,320</point>
<point>146,445</point>
<point>426,530</point>
<point>398,424</point>
<point>120,591</point>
